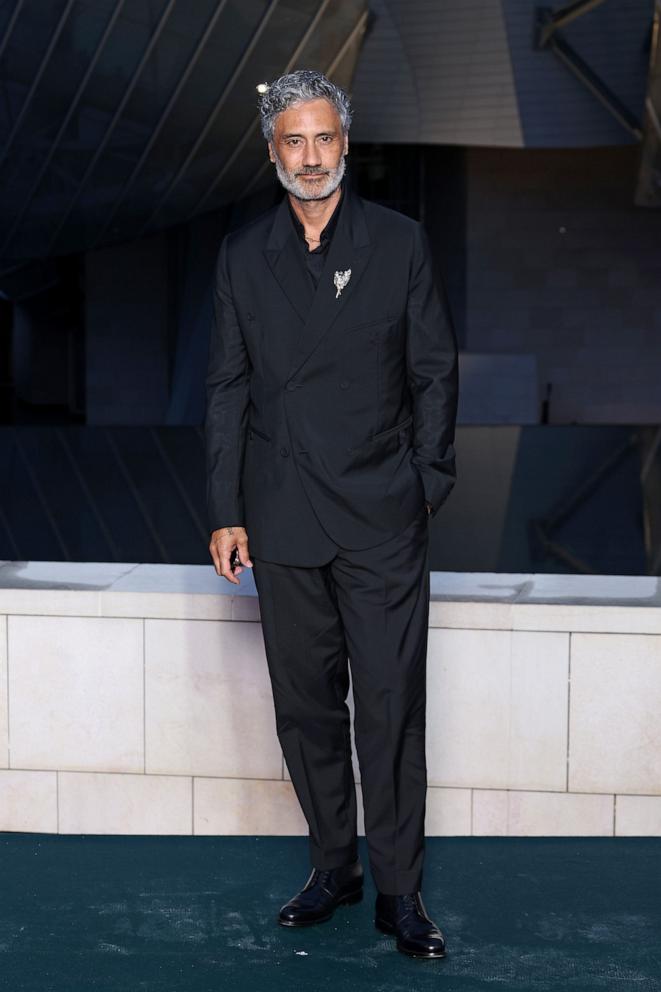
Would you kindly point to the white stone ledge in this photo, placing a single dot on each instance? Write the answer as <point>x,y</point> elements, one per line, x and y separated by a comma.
<point>135,698</point>
<point>108,803</point>
<point>478,600</point>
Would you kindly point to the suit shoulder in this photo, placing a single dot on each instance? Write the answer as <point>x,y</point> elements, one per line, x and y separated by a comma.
<point>252,230</point>
<point>386,219</point>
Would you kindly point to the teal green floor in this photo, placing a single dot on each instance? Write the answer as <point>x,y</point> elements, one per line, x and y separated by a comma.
<point>197,914</point>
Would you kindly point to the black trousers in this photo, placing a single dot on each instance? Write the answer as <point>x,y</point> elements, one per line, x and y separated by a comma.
<point>369,608</point>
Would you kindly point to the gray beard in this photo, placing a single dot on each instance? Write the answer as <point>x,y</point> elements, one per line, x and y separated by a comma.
<point>297,188</point>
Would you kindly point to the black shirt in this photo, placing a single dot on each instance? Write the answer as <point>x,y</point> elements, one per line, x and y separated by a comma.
<point>315,259</point>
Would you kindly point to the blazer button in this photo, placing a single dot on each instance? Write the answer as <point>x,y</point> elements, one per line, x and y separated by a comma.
<point>344,384</point>
<point>284,452</point>
<point>292,385</point>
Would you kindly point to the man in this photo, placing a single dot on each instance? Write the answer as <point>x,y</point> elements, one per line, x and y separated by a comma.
<point>331,406</point>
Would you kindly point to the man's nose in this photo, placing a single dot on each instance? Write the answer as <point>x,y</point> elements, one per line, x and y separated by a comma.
<point>312,156</point>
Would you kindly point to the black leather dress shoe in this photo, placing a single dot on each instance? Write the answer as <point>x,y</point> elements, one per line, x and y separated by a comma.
<point>324,891</point>
<point>406,918</point>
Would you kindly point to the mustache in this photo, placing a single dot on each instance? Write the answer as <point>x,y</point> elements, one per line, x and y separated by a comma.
<point>312,172</point>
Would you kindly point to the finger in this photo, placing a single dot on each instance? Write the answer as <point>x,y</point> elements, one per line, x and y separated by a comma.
<point>213,551</point>
<point>244,554</point>
<point>226,571</point>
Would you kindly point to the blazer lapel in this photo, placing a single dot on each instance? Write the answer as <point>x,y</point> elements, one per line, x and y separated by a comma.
<point>350,248</point>
<point>285,259</point>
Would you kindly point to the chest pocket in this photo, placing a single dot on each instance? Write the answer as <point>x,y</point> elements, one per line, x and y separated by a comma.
<point>385,318</point>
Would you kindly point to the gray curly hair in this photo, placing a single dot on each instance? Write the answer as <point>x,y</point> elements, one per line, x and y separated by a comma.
<point>295,87</point>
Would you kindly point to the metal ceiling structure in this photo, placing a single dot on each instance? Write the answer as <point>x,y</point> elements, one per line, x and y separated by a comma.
<point>121,117</point>
<point>549,24</point>
<point>648,193</point>
<point>495,73</point>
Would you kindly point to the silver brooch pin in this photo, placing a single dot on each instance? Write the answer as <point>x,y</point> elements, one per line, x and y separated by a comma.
<point>340,279</point>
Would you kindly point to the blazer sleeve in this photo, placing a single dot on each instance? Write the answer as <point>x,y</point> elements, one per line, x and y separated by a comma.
<point>227,399</point>
<point>432,366</point>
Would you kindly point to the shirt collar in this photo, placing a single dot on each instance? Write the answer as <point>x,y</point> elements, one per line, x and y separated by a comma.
<point>327,232</point>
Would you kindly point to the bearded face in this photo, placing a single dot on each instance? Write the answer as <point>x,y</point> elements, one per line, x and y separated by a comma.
<point>308,149</point>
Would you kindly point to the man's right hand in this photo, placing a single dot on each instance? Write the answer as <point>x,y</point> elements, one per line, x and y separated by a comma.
<point>223,542</point>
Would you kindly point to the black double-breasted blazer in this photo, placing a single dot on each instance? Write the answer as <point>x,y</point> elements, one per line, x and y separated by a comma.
<point>330,413</point>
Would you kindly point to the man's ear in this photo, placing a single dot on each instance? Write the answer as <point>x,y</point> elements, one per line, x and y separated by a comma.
<point>346,144</point>
<point>270,148</point>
